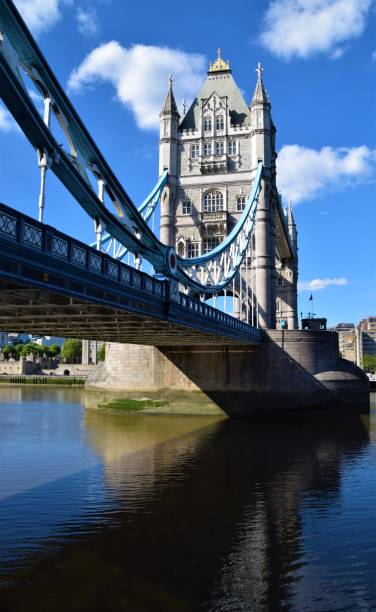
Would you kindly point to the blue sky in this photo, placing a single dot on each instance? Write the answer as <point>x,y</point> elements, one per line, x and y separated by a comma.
<point>319,59</point>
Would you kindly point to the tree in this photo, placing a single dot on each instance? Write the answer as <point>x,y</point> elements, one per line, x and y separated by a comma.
<point>101,355</point>
<point>54,350</point>
<point>31,349</point>
<point>369,363</point>
<point>9,351</point>
<point>19,350</point>
<point>72,350</point>
<point>51,352</point>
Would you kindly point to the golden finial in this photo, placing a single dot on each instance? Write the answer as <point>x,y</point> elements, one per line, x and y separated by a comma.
<point>219,65</point>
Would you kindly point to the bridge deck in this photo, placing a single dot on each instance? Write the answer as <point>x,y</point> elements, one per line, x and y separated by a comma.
<point>52,284</point>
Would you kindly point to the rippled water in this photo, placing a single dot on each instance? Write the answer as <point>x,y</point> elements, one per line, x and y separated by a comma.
<point>103,511</point>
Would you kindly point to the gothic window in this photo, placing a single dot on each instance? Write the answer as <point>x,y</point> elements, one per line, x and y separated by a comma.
<point>232,147</point>
<point>195,151</point>
<point>207,148</point>
<point>280,281</point>
<point>181,248</point>
<point>213,201</point>
<point>186,207</point>
<point>219,149</point>
<point>207,124</point>
<point>219,123</point>
<point>240,203</point>
<point>211,242</point>
<point>193,250</point>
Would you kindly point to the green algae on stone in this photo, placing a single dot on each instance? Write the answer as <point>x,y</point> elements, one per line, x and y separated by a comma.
<point>133,405</point>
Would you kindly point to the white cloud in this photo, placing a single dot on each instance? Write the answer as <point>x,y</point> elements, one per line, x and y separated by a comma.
<point>7,123</point>
<point>139,75</point>
<point>41,15</point>
<point>306,27</point>
<point>87,20</point>
<point>304,174</point>
<point>322,283</point>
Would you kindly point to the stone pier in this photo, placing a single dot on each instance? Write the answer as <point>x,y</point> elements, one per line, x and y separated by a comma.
<point>291,370</point>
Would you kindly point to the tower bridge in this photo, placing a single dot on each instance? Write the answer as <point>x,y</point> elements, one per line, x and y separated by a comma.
<point>224,236</point>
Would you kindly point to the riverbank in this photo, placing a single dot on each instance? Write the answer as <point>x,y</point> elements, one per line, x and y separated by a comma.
<point>42,380</point>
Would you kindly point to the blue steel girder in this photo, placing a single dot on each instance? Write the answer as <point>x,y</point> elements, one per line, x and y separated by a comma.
<point>19,52</point>
<point>15,96</point>
<point>35,256</point>
<point>146,210</point>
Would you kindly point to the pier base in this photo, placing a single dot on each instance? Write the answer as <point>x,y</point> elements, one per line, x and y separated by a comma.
<point>291,370</point>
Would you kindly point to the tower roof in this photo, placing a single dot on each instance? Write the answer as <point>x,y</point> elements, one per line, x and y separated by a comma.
<point>260,96</point>
<point>169,107</point>
<point>221,82</point>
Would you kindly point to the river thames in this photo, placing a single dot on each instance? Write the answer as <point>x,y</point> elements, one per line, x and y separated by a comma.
<point>110,511</point>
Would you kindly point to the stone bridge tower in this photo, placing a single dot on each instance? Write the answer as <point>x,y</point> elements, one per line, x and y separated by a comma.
<point>212,153</point>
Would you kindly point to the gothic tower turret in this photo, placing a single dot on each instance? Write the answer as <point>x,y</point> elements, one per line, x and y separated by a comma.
<point>293,265</point>
<point>168,157</point>
<point>262,139</point>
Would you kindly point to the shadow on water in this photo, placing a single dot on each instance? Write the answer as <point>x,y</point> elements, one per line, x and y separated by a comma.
<point>207,515</point>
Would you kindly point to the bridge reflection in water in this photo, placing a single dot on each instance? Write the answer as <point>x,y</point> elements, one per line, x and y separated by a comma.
<point>210,514</point>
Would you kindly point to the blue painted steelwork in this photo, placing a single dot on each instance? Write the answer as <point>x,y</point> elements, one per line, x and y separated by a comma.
<point>36,255</point>
<point>218,268</point>
<point>19,54</point>
<point>146,210</point>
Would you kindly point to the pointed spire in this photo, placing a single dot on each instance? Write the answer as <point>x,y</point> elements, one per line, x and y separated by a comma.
<point>169,107</point>
<point>260,96</point>
<point>290,216</point>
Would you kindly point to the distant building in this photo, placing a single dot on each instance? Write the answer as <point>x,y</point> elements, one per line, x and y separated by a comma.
<point>14,338</point>
<point>365,338</point>
<point>90,350</point>
<point>314,323</point>
<point>48,340</point>
<point>3,339</point>
<point>347,340</point>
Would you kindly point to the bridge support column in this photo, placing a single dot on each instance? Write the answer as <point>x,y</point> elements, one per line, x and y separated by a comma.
<point>290,370</point>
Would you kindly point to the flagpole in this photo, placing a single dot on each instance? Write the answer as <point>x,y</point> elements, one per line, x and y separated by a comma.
<point>311,300</point>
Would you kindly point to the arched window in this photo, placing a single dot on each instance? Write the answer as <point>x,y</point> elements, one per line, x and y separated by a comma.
<point>219,123</point>
<point>213,201</point>
<point>181,248</point>
<point>207,124</point>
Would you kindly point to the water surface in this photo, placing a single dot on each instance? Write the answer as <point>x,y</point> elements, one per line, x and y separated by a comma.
<point>106,511</point>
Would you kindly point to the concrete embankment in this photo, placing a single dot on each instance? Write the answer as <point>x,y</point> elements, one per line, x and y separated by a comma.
<point>291,370</point>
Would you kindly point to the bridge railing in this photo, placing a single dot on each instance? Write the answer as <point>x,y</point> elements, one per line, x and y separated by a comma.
<point>20,229</point>
<point>217,316</point>
<point>44,238</point>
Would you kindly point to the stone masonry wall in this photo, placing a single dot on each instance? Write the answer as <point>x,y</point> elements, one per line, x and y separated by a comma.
<point>290,370</point>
